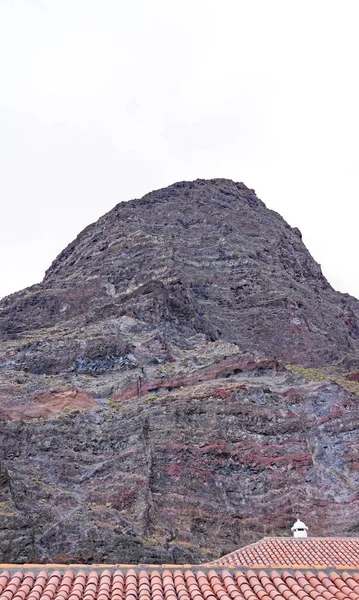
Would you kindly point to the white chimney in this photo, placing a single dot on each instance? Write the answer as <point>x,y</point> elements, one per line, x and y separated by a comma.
<point>299,529</point>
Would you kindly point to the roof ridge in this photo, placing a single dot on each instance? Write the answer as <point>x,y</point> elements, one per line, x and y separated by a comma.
<point>138,567</point>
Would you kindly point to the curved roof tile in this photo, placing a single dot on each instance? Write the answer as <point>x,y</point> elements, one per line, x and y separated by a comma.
<point>200,583</point>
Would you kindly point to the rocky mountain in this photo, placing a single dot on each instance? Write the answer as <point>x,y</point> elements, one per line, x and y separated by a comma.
<point>183,381</point>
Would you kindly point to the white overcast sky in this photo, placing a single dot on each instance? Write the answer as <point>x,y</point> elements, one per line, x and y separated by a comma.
<point>105,100</point>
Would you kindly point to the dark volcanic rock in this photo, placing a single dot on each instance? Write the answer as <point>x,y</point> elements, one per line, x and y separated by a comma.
<point>186,476</point>
<point>148,410</point>
<point>202,256</point>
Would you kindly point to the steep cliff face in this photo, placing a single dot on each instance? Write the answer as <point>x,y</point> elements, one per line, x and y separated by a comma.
<point>175,387</point>
<point>186,475</point>
<point>203,256</point>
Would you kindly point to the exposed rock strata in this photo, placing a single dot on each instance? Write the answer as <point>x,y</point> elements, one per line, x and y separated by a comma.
<point>149,413</point>
<point>202,256</point>
<point>185,476</point>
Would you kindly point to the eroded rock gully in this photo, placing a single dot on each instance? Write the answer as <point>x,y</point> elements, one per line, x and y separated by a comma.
<point>175,387</point>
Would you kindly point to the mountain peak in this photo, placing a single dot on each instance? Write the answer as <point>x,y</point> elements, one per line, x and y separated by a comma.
<point>203,256</point>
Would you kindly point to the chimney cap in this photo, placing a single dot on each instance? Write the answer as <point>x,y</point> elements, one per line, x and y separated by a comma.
<point>299,529</point>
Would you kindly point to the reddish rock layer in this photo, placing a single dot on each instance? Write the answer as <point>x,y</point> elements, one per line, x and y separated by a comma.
<point>223,369</point>
<point>46,405</point>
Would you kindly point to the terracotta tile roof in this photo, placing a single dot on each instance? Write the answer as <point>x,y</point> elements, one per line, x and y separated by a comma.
<point>282,569</point>
<point>291,552</point>
<point>177,583</point>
